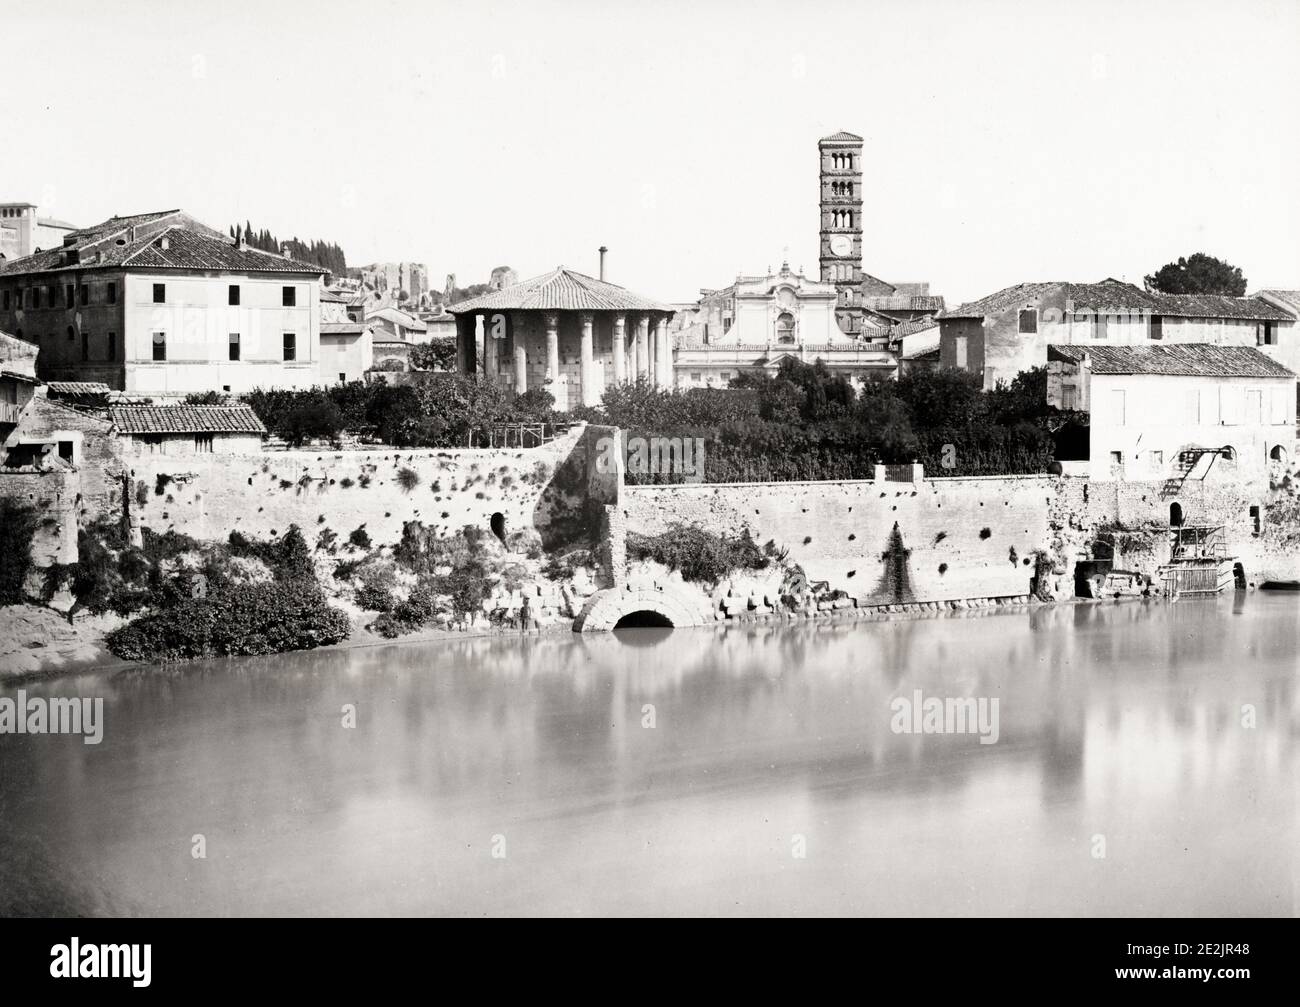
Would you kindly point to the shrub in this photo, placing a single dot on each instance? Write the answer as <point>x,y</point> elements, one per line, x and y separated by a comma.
<point>375,598</point>
<point>699,555</point>
<point>407,478</point>
<point>359,537</point>
<point>266,618</point>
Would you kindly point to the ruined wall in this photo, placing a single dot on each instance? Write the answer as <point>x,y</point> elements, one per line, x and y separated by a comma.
<point>955,538</point>
<point>208,496</point>
<point>54,495</point>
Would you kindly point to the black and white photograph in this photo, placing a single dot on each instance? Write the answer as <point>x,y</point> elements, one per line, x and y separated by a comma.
<point>575,459</point>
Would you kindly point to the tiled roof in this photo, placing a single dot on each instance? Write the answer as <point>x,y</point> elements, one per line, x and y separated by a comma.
<point>1177,359</point>
<point>398,317</point>
<point>1288,299</point>
<point>27,379</point>
<point>190,245</point>
<point>79,388</point>
<point>186,419</point>
<point>904,302</point>
<point>1116,296</point>
<point>560,290</point>
<point>841,135</point>
<point>911,327</point>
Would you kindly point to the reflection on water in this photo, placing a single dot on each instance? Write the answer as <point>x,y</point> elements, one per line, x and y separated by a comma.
<point>1119,721</point>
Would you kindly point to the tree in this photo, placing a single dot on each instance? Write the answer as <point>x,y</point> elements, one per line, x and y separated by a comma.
<point>1198,274</point>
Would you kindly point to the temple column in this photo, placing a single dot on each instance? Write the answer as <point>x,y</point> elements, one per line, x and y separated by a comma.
<point>620,349</point>
<point>553,360</point>
<point>587,373</point>
<point>519,338</point>
<point>491,353</point>
<point>663,344</point>
<point>643,347</point>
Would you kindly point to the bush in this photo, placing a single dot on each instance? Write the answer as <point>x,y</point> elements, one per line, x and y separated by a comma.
<point>375,598</point>
<point>699,555</point>
<point>268,618</point>
<point>359,537</point>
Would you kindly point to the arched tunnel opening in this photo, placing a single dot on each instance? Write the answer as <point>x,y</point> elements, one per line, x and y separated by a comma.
<point>644,619</point>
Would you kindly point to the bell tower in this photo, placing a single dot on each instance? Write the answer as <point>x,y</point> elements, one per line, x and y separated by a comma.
<point>840,246</point>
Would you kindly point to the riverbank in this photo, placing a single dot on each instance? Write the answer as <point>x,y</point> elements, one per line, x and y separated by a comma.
<point>39,643</point>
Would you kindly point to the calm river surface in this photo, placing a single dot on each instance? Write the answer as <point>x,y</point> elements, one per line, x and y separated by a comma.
<point>1119,724</point>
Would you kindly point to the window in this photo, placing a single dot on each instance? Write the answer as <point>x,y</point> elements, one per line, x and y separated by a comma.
<point>343,378</point>
<point>785,328</point>
<point>1254,406</point>
<point>72,333</point>
<point>1157,459</point>
<point>68,295</point>
<point>1098,326</point>
<point>1117,407</point>
<point>233,294</point>
<point>110,293</point>
<point>234,346</point>
<point>203,443</point>
<point>291,346</point>
<point>1069,397</point>
<point>85,347</point>
<point>160,346</point>
<point>85,294</point>
<point>289,296</point>
<point>959,345</point>
<point>695,376</point>
<point>1028,321</point>
<point>160,293</point>
<point>65,450</point>
<point>1117,458</point>
<point>1157,330</point>
<point>112,346</point>
<point>1255,528</point>
<point>1270,333</point>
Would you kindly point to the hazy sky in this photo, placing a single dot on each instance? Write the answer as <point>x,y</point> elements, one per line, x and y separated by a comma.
<point>1004,141</point>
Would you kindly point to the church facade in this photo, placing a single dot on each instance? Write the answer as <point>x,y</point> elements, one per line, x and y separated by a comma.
<point>758,321</point>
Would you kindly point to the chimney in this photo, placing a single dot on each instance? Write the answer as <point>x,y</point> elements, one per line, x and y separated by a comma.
<point>286,251</point>
<point>603,250</point>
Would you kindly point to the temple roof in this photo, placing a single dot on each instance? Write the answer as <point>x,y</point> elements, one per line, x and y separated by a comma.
<point>560,290</point>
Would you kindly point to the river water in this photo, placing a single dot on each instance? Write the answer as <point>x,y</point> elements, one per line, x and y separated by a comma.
<point>1146,763</point>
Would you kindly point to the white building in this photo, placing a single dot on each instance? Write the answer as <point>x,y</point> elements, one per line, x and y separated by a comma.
<point>160,304</point>
<point>1149,406</point>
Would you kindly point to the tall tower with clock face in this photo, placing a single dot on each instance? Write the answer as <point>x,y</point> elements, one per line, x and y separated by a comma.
<point>841,231</point>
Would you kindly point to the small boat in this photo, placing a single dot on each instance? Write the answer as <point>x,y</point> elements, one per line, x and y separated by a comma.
<point>1280,585</point>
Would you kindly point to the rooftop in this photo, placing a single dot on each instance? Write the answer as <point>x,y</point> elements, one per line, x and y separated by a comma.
<point>184,419</point>
<point>560,290</point>
<point>1175,359</point>
<point>136,242</point>
<point>1289,300</point>
<point>1117,296</point>
<point>841,137</point>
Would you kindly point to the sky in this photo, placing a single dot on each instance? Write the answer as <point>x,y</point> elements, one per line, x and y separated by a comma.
<point>1005,141</point>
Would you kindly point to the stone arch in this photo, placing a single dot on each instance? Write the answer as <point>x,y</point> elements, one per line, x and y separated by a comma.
<point>676,605</point>
<point>1175,514</point>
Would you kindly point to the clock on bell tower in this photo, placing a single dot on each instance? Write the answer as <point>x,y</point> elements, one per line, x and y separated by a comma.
<point>840,245</point>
